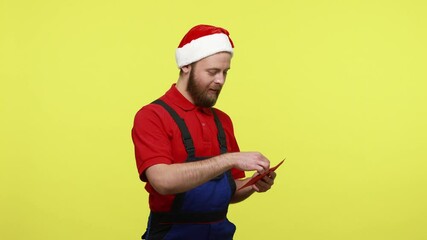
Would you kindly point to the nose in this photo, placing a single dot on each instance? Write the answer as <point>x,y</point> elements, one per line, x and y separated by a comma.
<point>220,78</point>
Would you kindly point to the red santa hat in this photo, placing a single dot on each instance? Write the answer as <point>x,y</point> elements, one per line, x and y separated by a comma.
<point>202,41</point>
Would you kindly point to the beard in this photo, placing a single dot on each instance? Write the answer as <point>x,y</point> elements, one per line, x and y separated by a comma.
<point>202,96</point>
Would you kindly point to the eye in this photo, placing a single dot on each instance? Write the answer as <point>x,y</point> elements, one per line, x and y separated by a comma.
<point>212,72</point>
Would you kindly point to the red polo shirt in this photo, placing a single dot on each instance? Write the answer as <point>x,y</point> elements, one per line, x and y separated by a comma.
<point>157,138</point>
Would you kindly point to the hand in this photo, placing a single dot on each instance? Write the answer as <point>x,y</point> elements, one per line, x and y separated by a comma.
<point>249,161</point>
<point>264,184</point>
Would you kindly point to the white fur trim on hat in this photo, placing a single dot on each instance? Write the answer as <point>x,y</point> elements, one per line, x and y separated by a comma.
<point>202,47</point>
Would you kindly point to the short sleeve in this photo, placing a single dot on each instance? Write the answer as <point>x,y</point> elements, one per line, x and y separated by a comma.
<point>151,141</point>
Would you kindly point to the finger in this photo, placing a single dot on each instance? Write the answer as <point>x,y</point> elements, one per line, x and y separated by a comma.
<point>262,189</point>
<point>265,164</point>
<point>254,187</point>
<point>262,169</point>
<point>263,186</point>
<point>268,179</point>
<point>272,175</point>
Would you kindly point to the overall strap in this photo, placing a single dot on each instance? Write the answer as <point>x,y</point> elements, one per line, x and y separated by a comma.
<point>186,137</point>
<point>223,146</point>
<point>221,134</point>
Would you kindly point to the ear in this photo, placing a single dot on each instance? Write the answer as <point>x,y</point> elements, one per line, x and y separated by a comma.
<point>186,69</point>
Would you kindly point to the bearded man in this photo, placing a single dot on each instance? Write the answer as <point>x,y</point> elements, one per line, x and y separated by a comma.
<point>186,151</point>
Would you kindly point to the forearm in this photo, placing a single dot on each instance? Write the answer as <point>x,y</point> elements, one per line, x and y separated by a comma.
<point>181,177</point>
<point>177,178</point>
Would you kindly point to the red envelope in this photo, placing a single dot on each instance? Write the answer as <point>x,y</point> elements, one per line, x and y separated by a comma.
<point>258,177</point>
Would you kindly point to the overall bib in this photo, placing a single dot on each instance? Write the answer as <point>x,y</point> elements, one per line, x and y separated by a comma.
<point>200,213</point>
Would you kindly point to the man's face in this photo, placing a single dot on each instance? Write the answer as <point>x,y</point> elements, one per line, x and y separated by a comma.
<point>207,77</point>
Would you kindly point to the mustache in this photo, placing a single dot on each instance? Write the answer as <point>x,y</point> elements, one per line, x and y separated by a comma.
<point>216,88</point>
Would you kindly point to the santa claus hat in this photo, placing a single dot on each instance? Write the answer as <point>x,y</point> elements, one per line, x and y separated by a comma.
<point>202,41</point>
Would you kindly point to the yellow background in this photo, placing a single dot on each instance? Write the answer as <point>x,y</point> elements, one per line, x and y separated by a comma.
<point>338,87</point>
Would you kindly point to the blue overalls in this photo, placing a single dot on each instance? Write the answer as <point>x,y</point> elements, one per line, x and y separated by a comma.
<point>200,213</point>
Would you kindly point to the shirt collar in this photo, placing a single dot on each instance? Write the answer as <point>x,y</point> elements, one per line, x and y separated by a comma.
<point>175,97</point>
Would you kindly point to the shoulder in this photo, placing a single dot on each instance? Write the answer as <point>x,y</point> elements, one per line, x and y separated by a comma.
<point>151,114</point>
<point>150,110</point>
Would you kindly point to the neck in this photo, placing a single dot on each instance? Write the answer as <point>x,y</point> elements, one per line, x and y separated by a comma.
<point>181,85</point>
